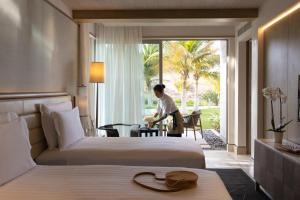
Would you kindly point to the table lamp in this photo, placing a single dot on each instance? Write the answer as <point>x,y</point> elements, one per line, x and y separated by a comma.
<point>97,76</point>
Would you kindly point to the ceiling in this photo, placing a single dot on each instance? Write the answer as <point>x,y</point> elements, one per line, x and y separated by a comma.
<point>160,4</point>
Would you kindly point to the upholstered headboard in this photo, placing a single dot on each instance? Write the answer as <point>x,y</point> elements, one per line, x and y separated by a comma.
<point>27,106</point>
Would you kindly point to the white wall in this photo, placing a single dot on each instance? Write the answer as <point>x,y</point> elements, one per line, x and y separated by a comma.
<point>59,4</point>
<point>240,96</point>
<point>230,93</point>
<point>38,48</point>
<point>223,89</point>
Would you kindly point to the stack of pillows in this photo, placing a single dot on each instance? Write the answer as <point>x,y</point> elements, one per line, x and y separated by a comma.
<point>61,125</point>
<point>14,147</point>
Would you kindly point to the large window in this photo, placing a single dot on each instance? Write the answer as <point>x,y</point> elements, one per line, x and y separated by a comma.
<point>190,69</point>
<point>151,74</point>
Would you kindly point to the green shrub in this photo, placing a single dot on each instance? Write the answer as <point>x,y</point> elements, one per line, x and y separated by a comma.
<point>211,96</point>
<point>203,102</point>
<point>178,102</point>
<point>154,102</point>
<point>190,103</point>
<point>215,121</point>
<point>150,107</point>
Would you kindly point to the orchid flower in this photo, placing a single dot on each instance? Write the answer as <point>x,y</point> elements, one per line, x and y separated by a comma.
<point>284,98</point>
<point>273,94</point>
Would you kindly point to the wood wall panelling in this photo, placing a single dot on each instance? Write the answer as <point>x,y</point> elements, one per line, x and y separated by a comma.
<point>292,79</point>
<point>276,50</point>
<point>282,67</point>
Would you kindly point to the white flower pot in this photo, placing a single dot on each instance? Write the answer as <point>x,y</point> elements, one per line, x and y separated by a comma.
<point>278,137</point>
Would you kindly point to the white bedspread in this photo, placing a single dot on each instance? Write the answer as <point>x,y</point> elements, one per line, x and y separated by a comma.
<point>104,182</point>
<point>154,151</point>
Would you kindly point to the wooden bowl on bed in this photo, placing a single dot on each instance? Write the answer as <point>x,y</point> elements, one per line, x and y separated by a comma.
<point>181,179</point>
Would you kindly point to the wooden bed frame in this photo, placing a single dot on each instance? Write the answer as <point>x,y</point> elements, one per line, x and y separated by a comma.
<point>27,105</point>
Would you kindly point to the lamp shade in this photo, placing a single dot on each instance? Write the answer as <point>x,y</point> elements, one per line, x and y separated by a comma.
<point>97,72</point>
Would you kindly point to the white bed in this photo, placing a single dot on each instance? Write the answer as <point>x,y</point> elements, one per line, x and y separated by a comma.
<point>107,151</point>
<point>22,179</point>
<point>156,151</point>
<point>104,182</point>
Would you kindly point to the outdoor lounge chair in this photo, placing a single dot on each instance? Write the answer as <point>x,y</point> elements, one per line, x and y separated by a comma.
<point>191,121</point>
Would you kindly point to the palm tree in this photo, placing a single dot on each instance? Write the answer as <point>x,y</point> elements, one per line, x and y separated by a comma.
<point>179,86</point>
<point>203,67</point>
<point>151,67</point>
<point>215,81</point>
<point>194,56</point>
<point>177,58</point>
<point>151,63</point>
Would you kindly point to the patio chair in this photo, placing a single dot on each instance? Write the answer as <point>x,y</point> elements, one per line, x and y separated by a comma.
<point>191,121</point>
<point>113,132</point>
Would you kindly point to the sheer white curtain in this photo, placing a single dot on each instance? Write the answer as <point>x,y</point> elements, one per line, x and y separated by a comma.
<point>121,96</point>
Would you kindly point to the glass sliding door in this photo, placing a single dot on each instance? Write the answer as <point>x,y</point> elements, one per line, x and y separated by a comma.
<point>192,71</point>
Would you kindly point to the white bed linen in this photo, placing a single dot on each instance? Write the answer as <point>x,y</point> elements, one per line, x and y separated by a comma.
<point>104,182</point>
<point>152,151</point>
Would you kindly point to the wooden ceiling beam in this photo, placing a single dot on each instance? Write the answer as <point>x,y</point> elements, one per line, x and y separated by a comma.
<point>80,15</point>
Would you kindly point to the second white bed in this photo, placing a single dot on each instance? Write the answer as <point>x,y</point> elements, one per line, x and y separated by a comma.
<point>105,182</point>
<point>156,151</point>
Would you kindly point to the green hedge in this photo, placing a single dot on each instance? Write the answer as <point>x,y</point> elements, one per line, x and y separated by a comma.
<point>206,118</point>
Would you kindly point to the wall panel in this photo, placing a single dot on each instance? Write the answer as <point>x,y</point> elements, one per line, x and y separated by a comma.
<point>276,45</point>
<point>282,67</point>
<point>38,48</point>
<point>292,79</point>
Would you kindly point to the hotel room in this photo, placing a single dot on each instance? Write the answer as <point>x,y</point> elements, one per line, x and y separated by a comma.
<point>144,99</point>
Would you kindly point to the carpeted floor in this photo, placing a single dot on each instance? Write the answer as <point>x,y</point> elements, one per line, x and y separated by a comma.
<point>239,185</point>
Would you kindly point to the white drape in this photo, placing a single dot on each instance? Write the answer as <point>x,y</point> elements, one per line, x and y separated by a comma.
<point>121,96</point>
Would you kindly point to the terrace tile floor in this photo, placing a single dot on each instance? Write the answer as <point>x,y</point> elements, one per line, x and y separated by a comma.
<point>224,159</point>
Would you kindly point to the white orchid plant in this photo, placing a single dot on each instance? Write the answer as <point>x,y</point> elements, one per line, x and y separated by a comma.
<point>273,94</point>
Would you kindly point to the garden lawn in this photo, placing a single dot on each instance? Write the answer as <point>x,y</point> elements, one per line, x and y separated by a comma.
<point>206,116</point>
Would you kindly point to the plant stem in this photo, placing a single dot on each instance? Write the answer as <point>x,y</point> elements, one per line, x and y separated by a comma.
<point>280,111</point>
<point>272,120</point>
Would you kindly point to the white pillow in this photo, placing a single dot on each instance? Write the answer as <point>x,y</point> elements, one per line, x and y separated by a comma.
<point>11,116</point>
<point>15,157</point>
<point>25,130</point>
<point>68,127</point>
<point>7,117</point>
<point>47,121</point>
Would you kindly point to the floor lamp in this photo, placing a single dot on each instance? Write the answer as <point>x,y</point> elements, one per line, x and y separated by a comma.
<point>96,77</point>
